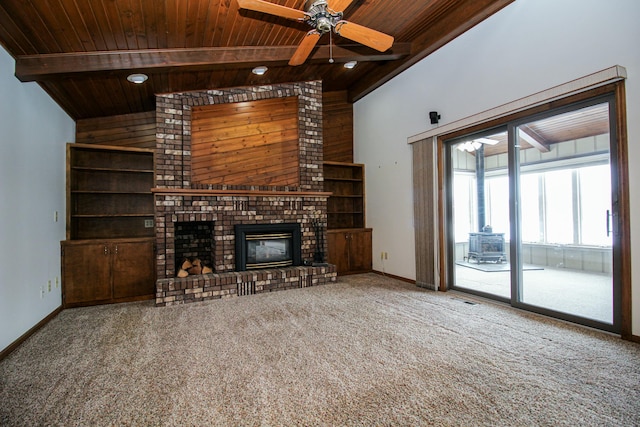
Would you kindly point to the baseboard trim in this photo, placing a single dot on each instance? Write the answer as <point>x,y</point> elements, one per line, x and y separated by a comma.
<point>11,347</point>
<point>633,338</point>
<point>402,279</point>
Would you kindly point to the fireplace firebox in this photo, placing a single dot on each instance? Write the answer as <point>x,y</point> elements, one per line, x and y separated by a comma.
<point>194,240</point>
<point>260,246</point>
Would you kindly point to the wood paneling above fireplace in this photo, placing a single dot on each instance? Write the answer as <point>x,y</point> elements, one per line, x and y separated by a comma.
<point>252,143</point>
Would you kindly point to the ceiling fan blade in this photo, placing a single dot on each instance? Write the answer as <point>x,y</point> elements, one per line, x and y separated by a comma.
<point>339,5</point>
<point>304,50</point>
<point>366,36</point>
<point>272,9</point>
<point>487,141</point>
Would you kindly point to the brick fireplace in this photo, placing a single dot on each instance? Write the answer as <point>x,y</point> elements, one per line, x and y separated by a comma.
<point>182,204</point>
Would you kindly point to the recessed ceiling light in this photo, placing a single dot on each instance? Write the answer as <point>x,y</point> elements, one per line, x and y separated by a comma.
<point>137,78</point>
<point>259,70</point>
<point>349,65</point>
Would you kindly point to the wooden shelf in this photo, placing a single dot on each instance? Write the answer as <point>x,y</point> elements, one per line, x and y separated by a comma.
<point>343,179</point>
<point>82,168</point>
<point>109,192</point>
<point>234,193</point>
<point>346,205</point>
<point>146,215</point>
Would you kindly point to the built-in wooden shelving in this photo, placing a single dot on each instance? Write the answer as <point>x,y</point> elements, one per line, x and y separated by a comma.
<point>345,207</point>
<point>109,192</point>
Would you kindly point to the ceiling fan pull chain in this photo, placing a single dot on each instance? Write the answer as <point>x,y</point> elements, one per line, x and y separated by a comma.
<point>330,47</point>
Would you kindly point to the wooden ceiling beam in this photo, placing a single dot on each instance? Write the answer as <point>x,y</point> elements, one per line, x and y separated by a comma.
<point>530,137</point>
<point>55,66</point>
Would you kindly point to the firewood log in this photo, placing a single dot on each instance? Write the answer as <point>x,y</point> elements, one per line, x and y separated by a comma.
<point>207,270</point>
<point>186,264</point>
<point>197,263</point>
<point>195,270</point>
<point>182,273</point>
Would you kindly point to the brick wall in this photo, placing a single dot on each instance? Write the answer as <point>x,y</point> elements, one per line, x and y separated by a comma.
<point>227,211</point>
<point>226,205</point>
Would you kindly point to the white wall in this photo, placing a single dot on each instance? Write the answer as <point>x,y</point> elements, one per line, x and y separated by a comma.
<point>529,46</point>
<point>33,133</point>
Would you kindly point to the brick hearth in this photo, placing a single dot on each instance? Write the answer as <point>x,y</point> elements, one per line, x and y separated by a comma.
<point>178,200</point>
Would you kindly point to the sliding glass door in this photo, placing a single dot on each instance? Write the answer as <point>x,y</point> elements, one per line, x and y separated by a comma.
<point>564,191</point>
<point>480,207</point>
<point>532,214</point>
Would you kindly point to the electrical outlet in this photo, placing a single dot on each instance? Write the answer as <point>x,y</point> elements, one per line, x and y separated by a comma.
<point>41,292</point>
<point>148,223</point>
<point>57,282</point>
<point>381,255</point>
<point>49,285</point>
<point>386,255</point>
<point>55,216</point>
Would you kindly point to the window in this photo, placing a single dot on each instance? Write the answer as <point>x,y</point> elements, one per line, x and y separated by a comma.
<point>497,202</point>
<point>557,197</point>
<point>594,210</point>
<point>579,198</point>
<point>464,187</point>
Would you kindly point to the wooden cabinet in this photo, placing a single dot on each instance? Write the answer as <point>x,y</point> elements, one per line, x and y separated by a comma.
<point>109,252</point>
<point>349,243</point>
<point>109,192</point>
<point>345,207</point>
<point>106,271</point>
<point>350,250</point>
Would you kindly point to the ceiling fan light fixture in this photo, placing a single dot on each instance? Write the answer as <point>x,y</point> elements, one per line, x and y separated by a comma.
<point>351,64</point>
<point>137,78</point>
<point>322,19</point>
<point>259,71</point>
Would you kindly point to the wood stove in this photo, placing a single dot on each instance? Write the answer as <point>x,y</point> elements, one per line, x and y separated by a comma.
<point>487,247</point>
<point>260,246</point>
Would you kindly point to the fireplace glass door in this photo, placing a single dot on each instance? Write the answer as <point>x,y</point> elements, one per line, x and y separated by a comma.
<point>269,250</point>
<point>260,246</point>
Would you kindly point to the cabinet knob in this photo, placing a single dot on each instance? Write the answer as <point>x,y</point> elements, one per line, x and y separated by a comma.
<point>116,249</point>
<point>106,250</point>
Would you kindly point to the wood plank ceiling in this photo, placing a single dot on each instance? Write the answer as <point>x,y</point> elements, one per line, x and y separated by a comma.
<point>80,51</point>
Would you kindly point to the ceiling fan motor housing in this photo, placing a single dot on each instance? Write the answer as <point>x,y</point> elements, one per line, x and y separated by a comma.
<point>320,17</point>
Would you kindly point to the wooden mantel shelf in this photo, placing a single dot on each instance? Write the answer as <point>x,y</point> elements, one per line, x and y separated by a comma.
<point>231,193</point>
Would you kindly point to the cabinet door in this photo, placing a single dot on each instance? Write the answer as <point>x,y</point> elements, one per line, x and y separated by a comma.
<point>133,269</point>
<point>338,247</point>
<point>86,273</point>
<point>360,251</point>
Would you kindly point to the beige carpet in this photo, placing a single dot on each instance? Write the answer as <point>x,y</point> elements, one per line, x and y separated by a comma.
<point>365,351</point>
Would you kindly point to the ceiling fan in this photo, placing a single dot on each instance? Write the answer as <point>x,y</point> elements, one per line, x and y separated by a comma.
<point>322,16</point>
<point>475,144</point>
